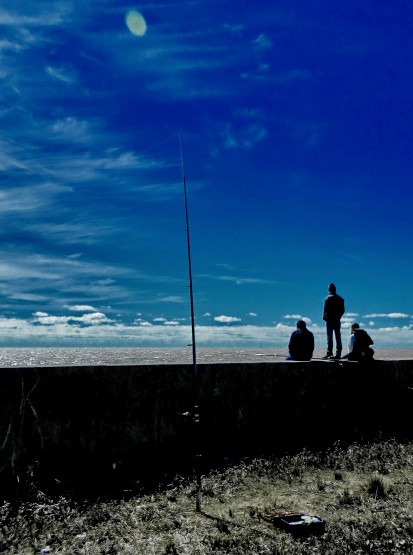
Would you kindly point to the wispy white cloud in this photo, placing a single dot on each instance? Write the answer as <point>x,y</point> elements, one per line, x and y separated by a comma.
<point>226,319</point>
<point>173,299</point>
<point>142,322</point>
<point>235,30</point>
<point>347,321</point>
<point>27,268</point>
<point>298,317</point>
<point>388,315</point>
<point>39,14</point>
<point>394,329</point>
<point>90,319</point>
<point>75,130</point>
<point>30,199</point>
<point>78,232</point>
<point>66,75</point>
<point>82,308</point>
<point>262,41</point>
<point>63,280</point>
<point>237,279</point>
<point>175,64</point>
<point>9,45</point>
<point>246,137</point>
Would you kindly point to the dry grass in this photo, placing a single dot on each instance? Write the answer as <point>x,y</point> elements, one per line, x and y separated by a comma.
<point>365,494</point>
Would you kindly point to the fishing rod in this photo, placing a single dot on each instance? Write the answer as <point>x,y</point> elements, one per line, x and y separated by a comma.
<point>195,414</point>
<point>191,291</point>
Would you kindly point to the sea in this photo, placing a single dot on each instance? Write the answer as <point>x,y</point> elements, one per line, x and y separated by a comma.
<point>122,356</point>
<point>21,357</point>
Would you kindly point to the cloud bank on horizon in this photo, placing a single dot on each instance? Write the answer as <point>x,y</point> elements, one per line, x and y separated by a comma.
<point>296,132</point>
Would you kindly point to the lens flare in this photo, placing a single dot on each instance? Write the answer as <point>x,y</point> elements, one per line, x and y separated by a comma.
<point>136,23</point>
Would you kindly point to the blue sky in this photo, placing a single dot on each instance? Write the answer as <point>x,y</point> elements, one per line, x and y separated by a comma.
<point>296,126</point>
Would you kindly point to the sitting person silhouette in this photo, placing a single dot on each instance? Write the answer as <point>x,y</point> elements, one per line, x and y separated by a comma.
<point>359,345</point>
<point>301,345</point>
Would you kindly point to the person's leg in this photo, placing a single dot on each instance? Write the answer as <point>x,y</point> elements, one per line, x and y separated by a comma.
<point>337,333</point>
<point>329,330</point>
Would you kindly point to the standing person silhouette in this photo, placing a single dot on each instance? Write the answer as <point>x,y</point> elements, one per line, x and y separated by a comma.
<point>332,313</point>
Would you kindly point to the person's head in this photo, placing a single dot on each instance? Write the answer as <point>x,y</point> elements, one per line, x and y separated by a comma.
<point>301,325</point>
<point>354,327</point>
<point>332,288</point>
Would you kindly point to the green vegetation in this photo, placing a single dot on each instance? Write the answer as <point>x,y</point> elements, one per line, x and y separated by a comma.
<point>364,492</point>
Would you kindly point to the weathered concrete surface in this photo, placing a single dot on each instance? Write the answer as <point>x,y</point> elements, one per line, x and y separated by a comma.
<point>89,421</point>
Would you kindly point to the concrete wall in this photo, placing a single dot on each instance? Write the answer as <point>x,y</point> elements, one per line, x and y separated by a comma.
<point>90,422</point>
